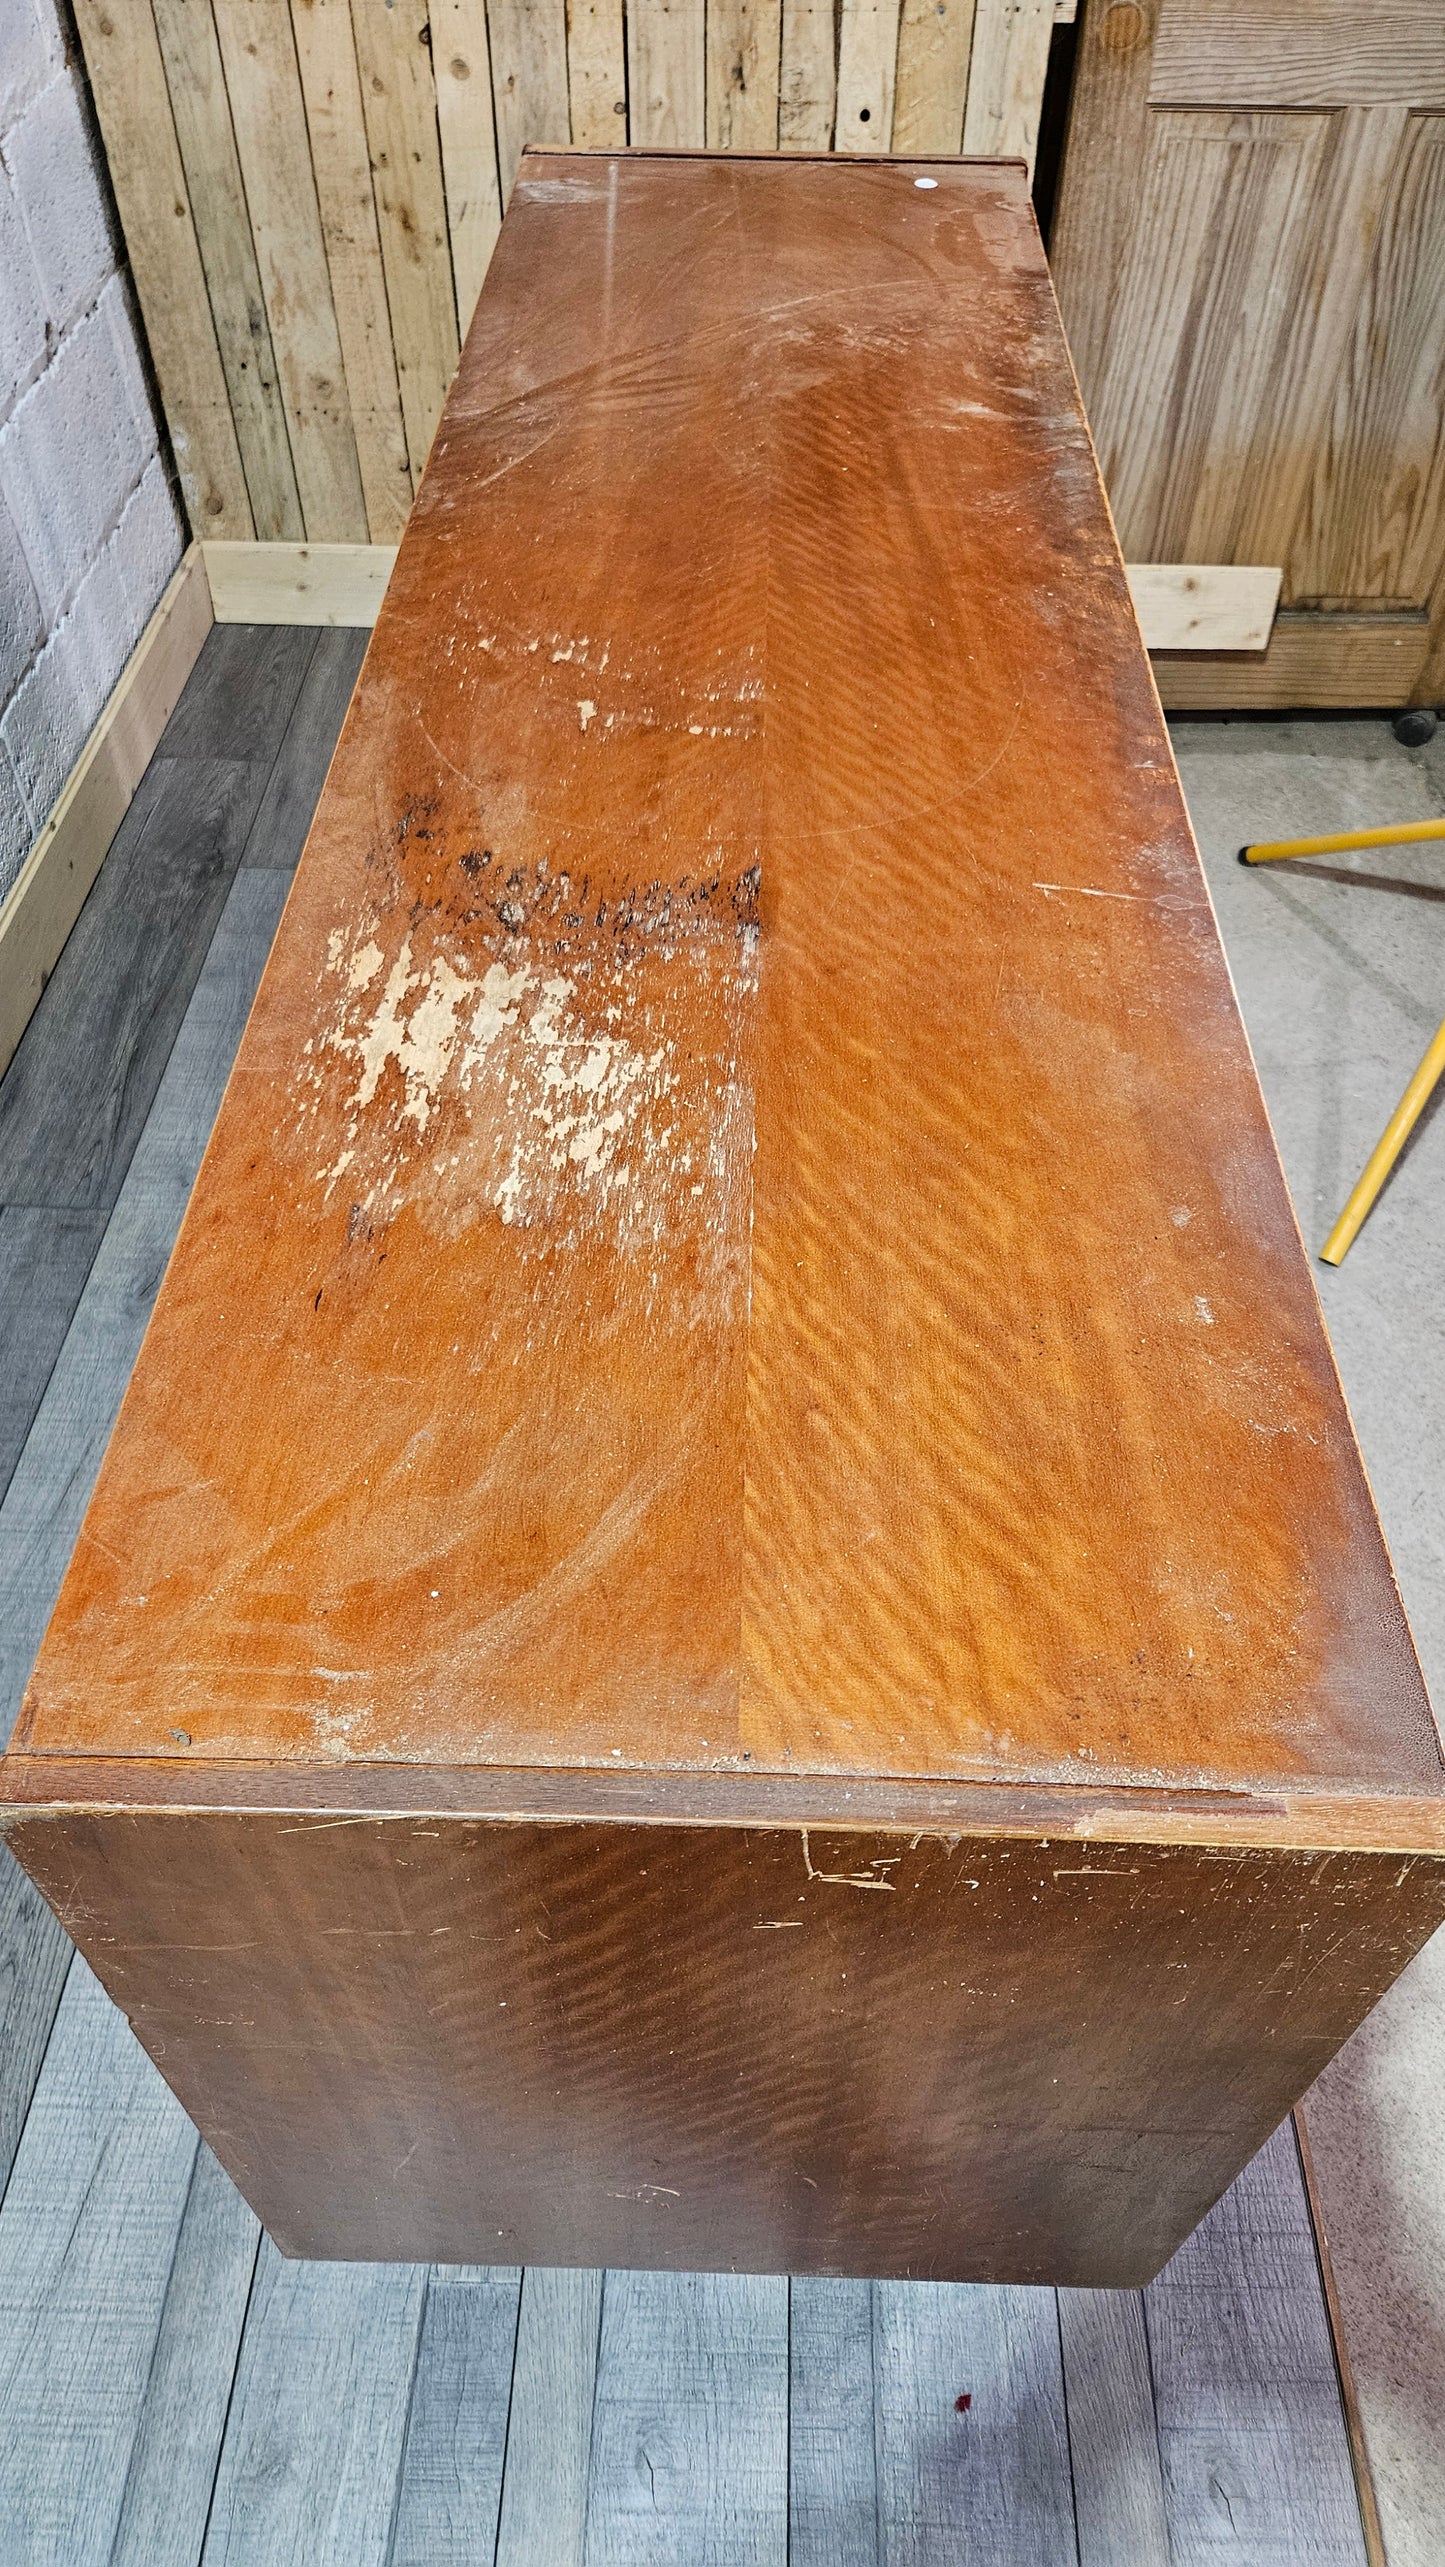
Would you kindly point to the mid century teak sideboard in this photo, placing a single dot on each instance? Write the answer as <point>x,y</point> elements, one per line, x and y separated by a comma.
<point>733,1618</point>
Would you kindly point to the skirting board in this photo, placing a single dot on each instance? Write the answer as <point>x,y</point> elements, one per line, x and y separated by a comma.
<point>1181,606</point>
<point>49,893</point>
<point>298,583</point>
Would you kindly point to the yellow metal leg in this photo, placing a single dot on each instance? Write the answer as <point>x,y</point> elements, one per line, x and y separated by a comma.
<point>1270,850</point>
<point>1387,1149</point>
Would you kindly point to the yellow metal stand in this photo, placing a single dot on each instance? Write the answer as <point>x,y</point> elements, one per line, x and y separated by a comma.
<point>1427,1077</point>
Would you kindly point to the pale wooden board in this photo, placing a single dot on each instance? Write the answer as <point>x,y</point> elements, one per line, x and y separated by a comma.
<point>298,583</point>
<point>529,78</point>
<point>1006,74</point>
<point>1100,182</point>
<point>1256,2456</point>
<point>1000,2472</point>
<point>744,39</point>
<point>49,892</point>
<point>690,2429</point>
<point>1113,2444</point>
<point>47,1496</point>
<point>549,2432</point>
<point>935,38</point>
<point>462,67</point>
<point>128,84</point>
<point>1347,660</point>
<point>87,2232</point>
<point>269,117</point>
<point>399,101</point>
<point>1203,606</point>
<point>832,2446</point>
<point>1300,53</point>
<point>665,69</point>
<point>808,80</point>
<point>451,2478</point>
<point>173,2461</point>
<point>341,165</point>
<point>597,73</point>
<point>867,69</point>
<point>207,141</point>
<point>312,2454</point>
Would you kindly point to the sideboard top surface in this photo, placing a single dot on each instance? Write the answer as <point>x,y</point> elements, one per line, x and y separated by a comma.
<point>743,1234</point>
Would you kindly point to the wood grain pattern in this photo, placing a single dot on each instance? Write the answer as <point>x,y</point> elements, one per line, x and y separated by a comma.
<point>268,114</point>
<point>457,2428</point>
<point>666,75</point>
<point>935,38</point>
<point>833,2518</point>
<point>399,103</point>
<point>807,77</point>
<point>549,2429</point>
<point>1325,660</point>
<point>1299,53</point>
<point>341,166</point>
<point>35,1959</point>
<point>596,72</point>
<point>197,86</point>
<point>1113,2441</point>
<point>128,83</point>
<point>744,39</point>
<point>1006,74</point>
<point>461,56</point>
<point>867,71</point>
<point>529,78</point>
<point>690,2430</point>
<point>1003,2464</point>
<point>839,1516</point>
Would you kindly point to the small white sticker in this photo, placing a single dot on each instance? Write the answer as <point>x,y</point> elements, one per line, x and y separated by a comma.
<point>925,182</point>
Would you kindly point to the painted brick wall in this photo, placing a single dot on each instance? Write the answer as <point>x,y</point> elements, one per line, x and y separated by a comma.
<point>89,532</point>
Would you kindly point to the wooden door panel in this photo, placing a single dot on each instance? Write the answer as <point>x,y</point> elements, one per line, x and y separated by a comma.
<point>1377,497</point>
<point>1299,53</point>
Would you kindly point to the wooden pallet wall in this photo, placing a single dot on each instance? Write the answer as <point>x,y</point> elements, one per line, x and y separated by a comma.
<point>310,189</point>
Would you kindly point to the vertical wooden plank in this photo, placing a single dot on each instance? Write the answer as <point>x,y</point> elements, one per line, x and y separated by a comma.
<point>341,163</point>
<point>399,98</point>
<point>744,39</point>
<point>1113,2439</point>
<point>462,66</point>
<point>451,2476</point>
<point>1256,2455</point>
<point>832,2446</point>
<point>690,2434</point>
<point>935,38</point>
<point>549,2435</point>
<point>867,70</point>
<point>35,1957</point>
<point>173,2463</point>
<point>808,83</point>
<point>666,91</point>
<point>202,111</point>
<point>529,78</point>
<point>1001,2467</point>
<point>87,2234</point>
<point>312,2455</point>
<point>128,83</point>
<point>270,125</point>
<point>1006,73</point>
<point>597,72</point>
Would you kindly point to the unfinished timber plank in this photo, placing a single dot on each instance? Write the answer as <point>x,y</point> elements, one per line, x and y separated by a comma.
<point>399,101</point>
<point>1203,606</point>
<point>596,72</point>
<point>690,2431</point>
<point>337,584</point>
<point>1006,73</point>
<point>935,38</point>
<point>666,84</point>
<point>143,158</point>
<point>207,142</point>
<point>462,63</point>
<point>784,1430</point>
<point>341,165</point>
<point>268,114</point>
<point>867,69</point>
<point>808,76</point>
<point>743,44</point>
<point>529,78</point>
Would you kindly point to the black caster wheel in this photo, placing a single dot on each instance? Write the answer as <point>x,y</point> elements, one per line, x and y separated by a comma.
<point>1417,726</point>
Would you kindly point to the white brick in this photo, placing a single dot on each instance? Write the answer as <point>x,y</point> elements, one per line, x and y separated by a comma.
<point>22,626</point>
<point>31,47</point>
<point>44,728</point>
<point>51,161</point>
<point>126,333</point>
<point>16,833</point>
<point>71,453</point>
<point>26,337</point>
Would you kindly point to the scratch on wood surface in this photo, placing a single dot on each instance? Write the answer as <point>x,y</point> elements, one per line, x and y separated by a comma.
<point>868,1880</point>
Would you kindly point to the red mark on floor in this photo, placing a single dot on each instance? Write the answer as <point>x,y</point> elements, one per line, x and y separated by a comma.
<point>962,2404</point>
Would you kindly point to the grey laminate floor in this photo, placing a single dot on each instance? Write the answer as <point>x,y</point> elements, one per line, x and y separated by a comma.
<point>171,2391</point>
